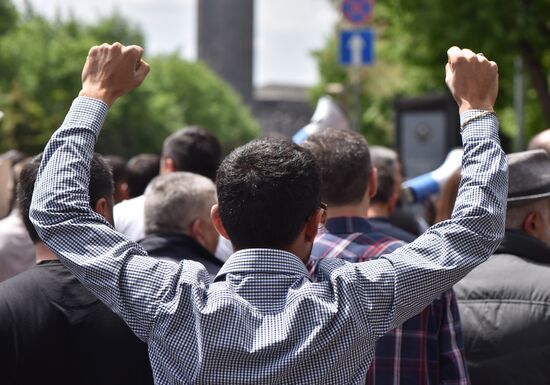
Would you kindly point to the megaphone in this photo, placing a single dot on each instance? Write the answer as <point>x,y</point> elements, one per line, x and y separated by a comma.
<point>420,188</point>
<point>327,114</point>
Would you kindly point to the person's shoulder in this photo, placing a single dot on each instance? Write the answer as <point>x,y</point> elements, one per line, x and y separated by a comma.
<point>15,291</point>
<point>385,227</point>
<point>486,279</point>
<point>382,241</point>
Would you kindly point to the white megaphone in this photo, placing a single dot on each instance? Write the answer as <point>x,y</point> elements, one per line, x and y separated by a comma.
<point>327,114</point>
<point>421,187</point>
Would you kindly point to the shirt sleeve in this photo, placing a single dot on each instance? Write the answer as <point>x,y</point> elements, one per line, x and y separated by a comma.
<point>397,286</point>
<point>452,361</point>
<point>117,270</point>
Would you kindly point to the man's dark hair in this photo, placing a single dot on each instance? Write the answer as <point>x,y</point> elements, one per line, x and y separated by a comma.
<point>267,190</point>
<point>385,160</point>
<point>142,169</point>
<point>193,149</point>
<point>344,159</point>
<point>101,186</point>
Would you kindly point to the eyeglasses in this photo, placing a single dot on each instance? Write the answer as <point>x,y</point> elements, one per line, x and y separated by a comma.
<point>322,206</point>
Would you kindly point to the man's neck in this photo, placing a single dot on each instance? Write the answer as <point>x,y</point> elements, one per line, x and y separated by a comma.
<point>379,211</point>
<point>359,210</point>
<point>43,253</point>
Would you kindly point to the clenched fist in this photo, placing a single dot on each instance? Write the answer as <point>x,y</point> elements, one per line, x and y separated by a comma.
<point>112,71</point>
<point>472,79</point>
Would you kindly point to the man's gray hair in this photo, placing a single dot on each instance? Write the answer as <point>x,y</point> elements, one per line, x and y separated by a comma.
<point>175,200</point>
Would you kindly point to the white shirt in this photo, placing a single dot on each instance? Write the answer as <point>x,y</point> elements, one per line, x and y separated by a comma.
<point>129,218</point>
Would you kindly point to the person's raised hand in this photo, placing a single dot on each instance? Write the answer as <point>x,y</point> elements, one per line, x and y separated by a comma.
<point>472,79</point>
<point>113,70</point>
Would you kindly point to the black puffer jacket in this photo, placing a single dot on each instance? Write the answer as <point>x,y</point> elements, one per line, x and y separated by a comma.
<point>505,310</point>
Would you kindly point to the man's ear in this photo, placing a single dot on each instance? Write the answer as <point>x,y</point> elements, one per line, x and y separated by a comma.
<point>533,225</point>
<point>104,208</point>
<point>217,221</point>
<point>373,182</point>
<point>167,166</point>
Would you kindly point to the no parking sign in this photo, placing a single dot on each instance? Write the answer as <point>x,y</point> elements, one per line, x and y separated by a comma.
<point>357,12</point>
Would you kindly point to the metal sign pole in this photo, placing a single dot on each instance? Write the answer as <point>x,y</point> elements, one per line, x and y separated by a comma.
<point>355,77</point>
<point>356,46</point>
<point>356,49</point>
<point>519,103</point>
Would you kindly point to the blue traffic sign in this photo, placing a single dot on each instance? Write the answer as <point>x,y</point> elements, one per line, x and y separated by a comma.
<point>357,11</point>
<point>357,47</point>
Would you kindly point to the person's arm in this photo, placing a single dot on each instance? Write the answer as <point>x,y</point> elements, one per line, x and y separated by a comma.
<point>115,269</point>
<point>398,286</point>
<point>452,361</point>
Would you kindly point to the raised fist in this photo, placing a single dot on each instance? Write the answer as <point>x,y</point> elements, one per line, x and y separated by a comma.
<point>472,79</point>
<point>112,71</point>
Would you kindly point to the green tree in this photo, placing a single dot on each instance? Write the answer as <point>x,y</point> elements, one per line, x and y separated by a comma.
<point>175,94</point>
<point>414,35</point>
<point>380,84</point>
<point>40,66</point>
<point>8,16</point>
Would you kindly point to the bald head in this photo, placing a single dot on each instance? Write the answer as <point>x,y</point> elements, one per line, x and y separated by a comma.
<point>541,141</point>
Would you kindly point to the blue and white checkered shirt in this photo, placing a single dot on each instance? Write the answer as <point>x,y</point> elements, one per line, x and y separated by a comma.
<point>263,320</point>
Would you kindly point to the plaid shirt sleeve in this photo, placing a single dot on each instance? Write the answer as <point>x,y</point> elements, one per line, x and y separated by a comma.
<point>102,256</point>
<point>407,280</point>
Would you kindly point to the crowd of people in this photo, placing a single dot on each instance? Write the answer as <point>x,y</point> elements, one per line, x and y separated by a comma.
<point>278,264</point>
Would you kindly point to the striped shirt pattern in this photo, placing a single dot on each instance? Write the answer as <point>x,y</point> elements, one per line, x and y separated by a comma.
<point>426,349</point>
<point>263,320</point>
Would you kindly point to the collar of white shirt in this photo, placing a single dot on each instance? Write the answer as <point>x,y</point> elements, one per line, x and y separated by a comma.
<point>263,261</point>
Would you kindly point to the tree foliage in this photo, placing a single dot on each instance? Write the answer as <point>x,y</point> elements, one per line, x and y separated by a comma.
<point>414,35</point>
<point>40,66</point>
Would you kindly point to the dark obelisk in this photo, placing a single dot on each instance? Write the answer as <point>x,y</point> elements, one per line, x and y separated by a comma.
<point>225,37</point>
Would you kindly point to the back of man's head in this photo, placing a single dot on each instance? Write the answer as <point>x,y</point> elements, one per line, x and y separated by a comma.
<point>142,169</point>
<point>193,149</point>
<point>267,191</point>
<point>344,159</point>
<point>101,186</point>
<point>386,162</point>
<point>541,141</point>
<point>173,201</point>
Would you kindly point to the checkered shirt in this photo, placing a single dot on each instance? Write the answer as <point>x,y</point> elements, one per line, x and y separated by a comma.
<point>426,349</point>
<point>263,321</point>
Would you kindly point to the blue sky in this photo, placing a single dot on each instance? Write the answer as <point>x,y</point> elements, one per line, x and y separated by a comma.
<point>286,30</point>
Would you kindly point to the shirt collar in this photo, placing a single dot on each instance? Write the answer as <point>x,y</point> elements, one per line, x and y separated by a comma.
<point>346,225</point>
<point>270,261</point>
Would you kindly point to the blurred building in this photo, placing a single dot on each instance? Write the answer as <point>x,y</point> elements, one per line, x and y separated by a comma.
<point>226,44</point>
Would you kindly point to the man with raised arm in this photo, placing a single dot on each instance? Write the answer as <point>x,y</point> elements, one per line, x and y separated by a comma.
<point>263,320</point>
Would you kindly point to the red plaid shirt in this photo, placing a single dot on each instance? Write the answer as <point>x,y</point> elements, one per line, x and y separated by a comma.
<point>426,349</point>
